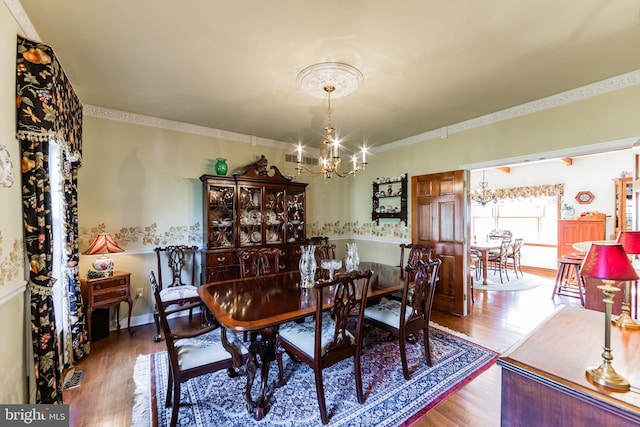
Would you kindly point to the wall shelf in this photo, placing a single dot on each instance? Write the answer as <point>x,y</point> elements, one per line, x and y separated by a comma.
<point>393,203</point>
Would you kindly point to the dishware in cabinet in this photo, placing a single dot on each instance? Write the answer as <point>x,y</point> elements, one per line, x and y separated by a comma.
<point>219,213</point>
<point>250,211</point>
<point>295,216</point>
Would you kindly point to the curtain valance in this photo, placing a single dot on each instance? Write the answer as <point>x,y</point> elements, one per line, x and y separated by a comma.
<point>550,190</point>
<point>47,106</point>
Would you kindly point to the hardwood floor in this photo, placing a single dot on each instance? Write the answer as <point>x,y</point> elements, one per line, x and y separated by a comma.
<point>498,320</point>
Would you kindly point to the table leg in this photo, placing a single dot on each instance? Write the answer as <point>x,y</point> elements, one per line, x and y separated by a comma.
<point>118,316</point>
<point>485,261</point>
<point>262,350</point>
<point>129,317</point>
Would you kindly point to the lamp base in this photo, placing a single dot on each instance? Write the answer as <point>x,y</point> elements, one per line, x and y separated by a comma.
<point>104,265</point>
<point>624,320</point>
<point>607,376</point>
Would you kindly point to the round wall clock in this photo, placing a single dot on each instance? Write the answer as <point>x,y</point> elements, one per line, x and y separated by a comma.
<point>584,197</point>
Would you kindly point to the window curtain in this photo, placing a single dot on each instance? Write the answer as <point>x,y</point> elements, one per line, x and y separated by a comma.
<point>48,111</point>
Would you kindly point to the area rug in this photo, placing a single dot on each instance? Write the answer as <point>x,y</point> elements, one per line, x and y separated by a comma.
<point>523,283</point>
<point>390,400</point>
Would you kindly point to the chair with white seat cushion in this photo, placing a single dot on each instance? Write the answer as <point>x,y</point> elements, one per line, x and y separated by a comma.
<point>194,352</point>
<point>176,260</point>
<point>327,339</point>
<point>405,318</point>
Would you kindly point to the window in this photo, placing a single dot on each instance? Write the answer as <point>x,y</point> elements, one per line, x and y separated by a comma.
<point>534,219</point>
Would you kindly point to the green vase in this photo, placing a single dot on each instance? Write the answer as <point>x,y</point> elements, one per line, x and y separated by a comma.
<point>221,166</point>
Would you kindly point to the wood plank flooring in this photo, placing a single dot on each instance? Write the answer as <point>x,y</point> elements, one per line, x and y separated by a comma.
<point>498,320</point>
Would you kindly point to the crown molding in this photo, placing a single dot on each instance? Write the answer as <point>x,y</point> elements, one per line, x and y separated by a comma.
<point>140,119</point>
<point>584,92</point>
<point>19,14</point>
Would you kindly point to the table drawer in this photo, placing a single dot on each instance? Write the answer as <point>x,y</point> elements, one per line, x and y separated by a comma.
<point>101,285</point>
<point>110,296</point>
<point>224,258</point>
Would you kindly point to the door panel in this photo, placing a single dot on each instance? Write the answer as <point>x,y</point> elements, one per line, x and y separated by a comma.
<point>438,220</point>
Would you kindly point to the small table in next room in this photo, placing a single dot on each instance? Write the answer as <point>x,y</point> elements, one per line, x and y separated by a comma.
<point>105,292</point>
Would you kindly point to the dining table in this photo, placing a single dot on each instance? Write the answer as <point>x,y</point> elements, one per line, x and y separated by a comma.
<point>484,248</point>
<point>259,305</point>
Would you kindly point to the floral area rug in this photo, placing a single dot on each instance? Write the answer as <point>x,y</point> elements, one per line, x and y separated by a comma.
<point>390,400</point>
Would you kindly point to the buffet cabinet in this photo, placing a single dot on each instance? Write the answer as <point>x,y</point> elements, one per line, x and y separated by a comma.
<point>258,207</point>
<point>572,231</point>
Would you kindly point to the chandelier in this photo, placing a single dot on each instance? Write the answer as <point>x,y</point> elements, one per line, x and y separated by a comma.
<point>339,80</point>
<point>484,194</point>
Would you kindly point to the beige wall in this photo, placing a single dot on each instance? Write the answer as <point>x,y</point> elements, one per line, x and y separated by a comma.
<point>13,387</point>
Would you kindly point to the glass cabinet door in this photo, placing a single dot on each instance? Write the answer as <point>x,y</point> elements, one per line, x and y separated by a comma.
<point>221,214</point>
<point>295,216</point>
<point>250,211</point>
<point>274,215</point>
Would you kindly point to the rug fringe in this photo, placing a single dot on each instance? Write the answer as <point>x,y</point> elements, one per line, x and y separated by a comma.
<point>141,412</point>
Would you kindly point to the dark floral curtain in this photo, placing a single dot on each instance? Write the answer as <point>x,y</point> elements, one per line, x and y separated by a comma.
<point>47,111</point>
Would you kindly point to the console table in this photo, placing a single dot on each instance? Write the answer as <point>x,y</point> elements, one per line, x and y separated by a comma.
<point>544,381</point>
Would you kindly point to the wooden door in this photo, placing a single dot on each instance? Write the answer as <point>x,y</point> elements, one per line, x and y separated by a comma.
<point>438,218</point>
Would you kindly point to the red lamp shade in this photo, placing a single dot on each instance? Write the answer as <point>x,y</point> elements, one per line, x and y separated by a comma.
<point>103,244</point>
<point>609,262</point>
<point>630,241</point>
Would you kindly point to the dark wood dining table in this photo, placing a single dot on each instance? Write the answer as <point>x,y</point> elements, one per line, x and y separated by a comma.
<point>484,248</point>
<point>258,305</point>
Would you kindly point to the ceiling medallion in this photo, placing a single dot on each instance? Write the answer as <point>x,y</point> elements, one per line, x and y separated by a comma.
<point>344,78</point>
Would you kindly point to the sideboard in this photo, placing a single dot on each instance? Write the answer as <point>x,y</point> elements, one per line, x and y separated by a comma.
<point>544,381</point>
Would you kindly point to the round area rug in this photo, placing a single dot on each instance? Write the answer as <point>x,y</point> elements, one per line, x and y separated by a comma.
<point>523,283</point>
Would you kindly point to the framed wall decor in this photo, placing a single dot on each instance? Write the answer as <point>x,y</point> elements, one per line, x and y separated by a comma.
<point>584,197</point>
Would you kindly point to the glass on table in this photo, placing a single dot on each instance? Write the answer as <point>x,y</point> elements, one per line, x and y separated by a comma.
<point>331,265</point>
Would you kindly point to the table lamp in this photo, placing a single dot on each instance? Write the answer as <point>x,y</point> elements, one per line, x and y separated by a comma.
<point>609,263</point>
<point>630,241</point>
<point>103,244</point>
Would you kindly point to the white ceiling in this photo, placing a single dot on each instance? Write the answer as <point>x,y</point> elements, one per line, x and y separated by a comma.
<point>427,64</point>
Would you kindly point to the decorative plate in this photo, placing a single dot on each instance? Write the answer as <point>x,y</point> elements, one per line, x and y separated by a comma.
<point>584,197</point>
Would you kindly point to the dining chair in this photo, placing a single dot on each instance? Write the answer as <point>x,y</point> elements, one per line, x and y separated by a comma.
<point>407,317</point>
<point>176,261</point>
<point>327,339</point>
<point>416,252</point>
<point>194,352</point>
<point>497,234</point>
<point>259,261</point>
<point>317,240</point>
<point>498,259</point>
<point>514,256</point>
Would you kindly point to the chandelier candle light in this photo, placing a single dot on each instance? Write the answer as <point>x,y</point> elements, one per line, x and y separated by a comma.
<point>609,263</point>
<point>103,244</point>
<point>484,194</point>
<point>340,80</point>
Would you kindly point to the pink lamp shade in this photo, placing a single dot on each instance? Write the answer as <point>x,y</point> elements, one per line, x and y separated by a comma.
<point>103,244</point>
<point>630,241</point>
<point>609,262</point>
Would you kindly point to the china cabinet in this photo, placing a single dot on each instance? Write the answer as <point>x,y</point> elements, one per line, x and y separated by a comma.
<point>623,204</point>
<point>389,199</point>
<point>254,208</point>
